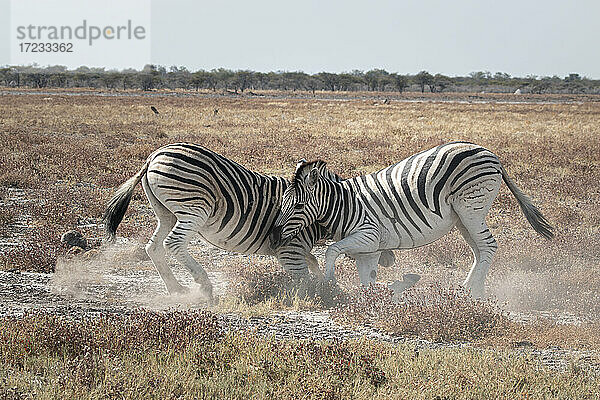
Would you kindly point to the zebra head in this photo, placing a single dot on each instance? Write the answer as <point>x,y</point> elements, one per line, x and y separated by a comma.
<point>300,205</point>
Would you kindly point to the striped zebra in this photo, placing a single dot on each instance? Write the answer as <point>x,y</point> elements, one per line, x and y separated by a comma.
<point>193,190</point>
<point>409,204</point>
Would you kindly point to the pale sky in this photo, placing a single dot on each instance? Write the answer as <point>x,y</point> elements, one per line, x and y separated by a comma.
<point>449,37</point>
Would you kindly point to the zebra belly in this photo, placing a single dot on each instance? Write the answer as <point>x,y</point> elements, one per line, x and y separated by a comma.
<point>211,234</point>
<point>396,235</point>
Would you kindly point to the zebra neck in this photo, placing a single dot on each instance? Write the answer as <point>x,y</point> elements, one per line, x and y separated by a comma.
<point>343,208</point>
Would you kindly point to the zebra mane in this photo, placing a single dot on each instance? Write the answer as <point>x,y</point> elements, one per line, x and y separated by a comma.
<point>303,167</point>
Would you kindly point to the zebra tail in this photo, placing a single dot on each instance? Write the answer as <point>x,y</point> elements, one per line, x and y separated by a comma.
<point>115,210</point>
<point>539,223</point>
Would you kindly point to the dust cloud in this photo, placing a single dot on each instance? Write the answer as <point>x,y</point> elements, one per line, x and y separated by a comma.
<point>122,274</point>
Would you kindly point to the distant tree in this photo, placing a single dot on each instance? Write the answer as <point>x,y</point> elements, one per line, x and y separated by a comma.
<point>371,79</point>
<point>501,76</point>
<point>58,79</point>
<point>199,79</point>
<point>83,69</point>
<point>440,82</point>
<point>312,83</point>
<point>111,79</point>
<point>6,76</point>
<point>540,86</point>
<point>146,81</point>
<point>242,80</point>
<point>223,77</point>
<point>572,78</point>
<point>400,82</point>
<point>261,80</point>
<point>81,78</point>
<point>173,77</point>
<point>347,81</point>
<point>178,77</point>
<point>423,78</point>
<point>480,75</point>
<point>574,83</point>
<point>293,80</point>
<point>129,80</point>
<point>377,79</point>
<point>36,79</point>
<point>330,81</point>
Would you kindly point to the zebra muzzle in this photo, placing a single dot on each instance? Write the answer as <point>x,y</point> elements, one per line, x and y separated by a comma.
<point>275,237</point>
<point>277,240</point>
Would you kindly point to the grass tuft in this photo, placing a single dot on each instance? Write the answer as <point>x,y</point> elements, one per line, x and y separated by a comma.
<point>431,312</point>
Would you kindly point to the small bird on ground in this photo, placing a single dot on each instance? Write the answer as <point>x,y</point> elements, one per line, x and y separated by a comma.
<point>154,109</point>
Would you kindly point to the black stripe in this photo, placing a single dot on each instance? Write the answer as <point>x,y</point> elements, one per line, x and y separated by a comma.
<point>422,179</point>
<point>263,229</point>
<point>337,201</point>
<point>181,179</point>
<point>449,170</point>
<point>354,182</point>
<point>408,194</point>
<point>178,188</point>
<point>390,182</point>
<point>473,178</point>
<point>475,164</point>
<point>378,203</point>
<point>181,212</point>
<point>217,180</point>
<point>333,194</point>
<point>393,207</point>
<point>253,224</point>
<point>348,203</point>
<point>245,211</point>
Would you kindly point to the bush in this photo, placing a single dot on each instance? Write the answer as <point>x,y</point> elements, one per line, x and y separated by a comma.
<point>431,312</point>
<point>256,284</point>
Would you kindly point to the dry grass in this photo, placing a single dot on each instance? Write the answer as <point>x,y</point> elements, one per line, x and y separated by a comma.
<point>544,333</point>
<point>254,283</point>
<point>185,356</point>
<point>435,313</point>
<point>68,153</point>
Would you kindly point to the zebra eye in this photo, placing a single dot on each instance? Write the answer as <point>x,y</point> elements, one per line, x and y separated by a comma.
<point>299,206</point>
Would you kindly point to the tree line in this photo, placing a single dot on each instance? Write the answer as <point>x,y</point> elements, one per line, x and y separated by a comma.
<point>159,77</point>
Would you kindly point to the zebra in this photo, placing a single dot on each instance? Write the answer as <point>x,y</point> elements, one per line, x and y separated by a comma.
<point>406,205</point>
<point>193,190</point>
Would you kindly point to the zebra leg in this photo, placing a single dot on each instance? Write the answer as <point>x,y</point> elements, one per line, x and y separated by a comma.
<point>313,266</point>
<point>154,248</point>
<point>295,261</point>
<point>387,258</point>
<point>474,249</point>
<point>483,245</point>
<point>408,281</point>
<point>292,259</point>
<point>367,267</point>
<point>363,241</point>
<point>177,242</point>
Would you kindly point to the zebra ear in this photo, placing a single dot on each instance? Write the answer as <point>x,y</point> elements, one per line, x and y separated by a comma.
<point>300,163</point>
<point>313,177</point>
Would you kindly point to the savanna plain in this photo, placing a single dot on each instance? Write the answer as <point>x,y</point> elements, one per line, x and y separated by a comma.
<point>62,155</point>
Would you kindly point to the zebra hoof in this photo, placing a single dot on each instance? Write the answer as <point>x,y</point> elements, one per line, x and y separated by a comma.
<point>476,293</point>
<point>476,290</point>
<point>411,278</point>
<point>398,287</point>
<point>177,289</point>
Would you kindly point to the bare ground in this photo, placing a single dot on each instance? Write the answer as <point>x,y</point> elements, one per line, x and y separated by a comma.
<point>116,280</point>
